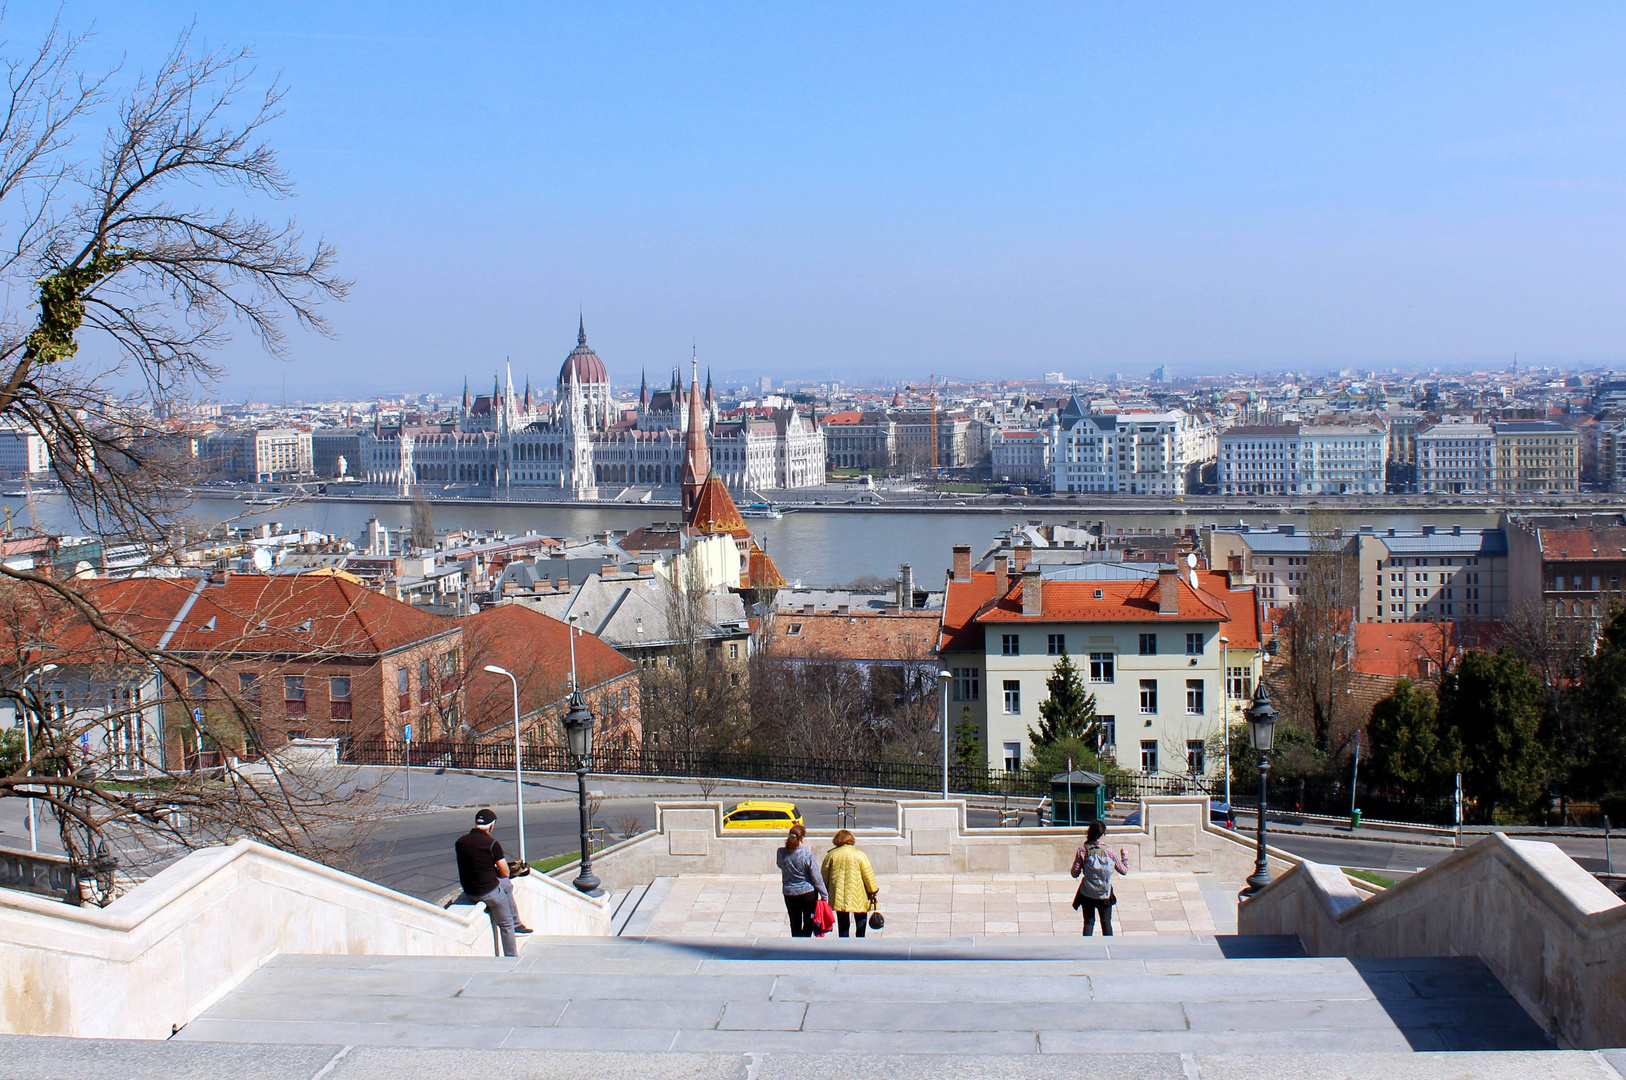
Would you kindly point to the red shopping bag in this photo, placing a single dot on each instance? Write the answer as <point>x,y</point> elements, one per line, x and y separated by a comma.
<point>824,917</point>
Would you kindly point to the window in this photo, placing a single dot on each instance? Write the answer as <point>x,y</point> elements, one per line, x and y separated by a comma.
<point>1196,757</point>
<point>197,685</point>
<point>1057,644</point>
<point>1010,645</point>
<point>1194,697</point>
<point>795,630</point>
<point>1148,644</point>
<point>1241,684</point>
<point>966,686</point>
<point>338,696</point>
<point>248,685</point>
<point>1013,756</point>
<point>1106,739</point>
<point>1194,644</point>
<point>733,650</point>
<point>1101,667</point>
<point>1013,696</point>
<point>293,695</point>
<point>424,684</point>
<point>1148,695</point>
<point>403,690</point>
<point>1148,756</point>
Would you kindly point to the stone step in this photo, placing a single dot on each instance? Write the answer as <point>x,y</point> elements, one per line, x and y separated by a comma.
<point>99,1059</point>
<point>978,996</point>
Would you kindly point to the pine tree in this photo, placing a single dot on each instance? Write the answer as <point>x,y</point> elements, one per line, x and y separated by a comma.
<point>1069,711</point>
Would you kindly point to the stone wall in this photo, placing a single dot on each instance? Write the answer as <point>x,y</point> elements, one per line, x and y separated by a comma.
<point>1552,934</point>
<point>163,952</point>
<point>931,837</point>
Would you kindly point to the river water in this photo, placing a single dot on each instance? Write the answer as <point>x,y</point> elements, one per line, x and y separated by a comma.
<point>811,547</point>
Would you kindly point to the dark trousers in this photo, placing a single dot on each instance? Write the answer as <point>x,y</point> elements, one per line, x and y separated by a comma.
<point>801,908</point>
<point>861,918</point>
<point>1090,908</point>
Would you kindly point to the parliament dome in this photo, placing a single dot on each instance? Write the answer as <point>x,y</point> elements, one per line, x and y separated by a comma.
<point>583,365</point>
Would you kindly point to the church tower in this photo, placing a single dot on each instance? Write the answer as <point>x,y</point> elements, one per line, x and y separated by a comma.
<point>696,459</point>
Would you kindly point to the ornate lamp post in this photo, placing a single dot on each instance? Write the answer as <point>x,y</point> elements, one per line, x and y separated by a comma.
<point>1261,717</point>
<point>579,734</point>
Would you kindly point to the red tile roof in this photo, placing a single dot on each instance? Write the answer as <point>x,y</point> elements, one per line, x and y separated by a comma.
<point>761,572</point>
<point>1576,545</point>
<point>715,512</point>
<point>830,635</point>
<point>1400,649</point>
<point>536,648</point>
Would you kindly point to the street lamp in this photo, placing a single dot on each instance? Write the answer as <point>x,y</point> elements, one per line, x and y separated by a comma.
<point>572,628</point>
<point>944,677</point>
<point>519,781</point>
<point>1225,711</point>
<point>579,735</point>
<point>28,756</point>
<point>1261,718</point>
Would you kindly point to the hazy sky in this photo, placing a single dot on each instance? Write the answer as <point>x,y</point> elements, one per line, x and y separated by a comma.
<point>968,190</point>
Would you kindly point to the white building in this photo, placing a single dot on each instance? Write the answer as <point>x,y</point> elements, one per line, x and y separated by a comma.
<point>1132,453</point>
<point>1456,458</point>
<point>23,454</point>
<point>1020,455</point>
<point>1303,459</point>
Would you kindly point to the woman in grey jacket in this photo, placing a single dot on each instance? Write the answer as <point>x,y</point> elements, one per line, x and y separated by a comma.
<point>803,884</point>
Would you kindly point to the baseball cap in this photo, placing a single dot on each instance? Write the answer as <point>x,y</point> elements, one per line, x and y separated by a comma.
<point>485,817</point>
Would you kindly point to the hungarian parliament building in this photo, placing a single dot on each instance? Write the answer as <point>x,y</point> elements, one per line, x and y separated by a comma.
<point>585,445</point>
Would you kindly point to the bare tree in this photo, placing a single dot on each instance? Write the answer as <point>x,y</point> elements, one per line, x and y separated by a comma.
<point>423,521</point>
<point>118,248</point>
<point>693,699</point>
<point>1319,633</point>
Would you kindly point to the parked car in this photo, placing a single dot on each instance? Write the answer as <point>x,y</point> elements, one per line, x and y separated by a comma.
<point>1219,814</point>
<point>763,814</point>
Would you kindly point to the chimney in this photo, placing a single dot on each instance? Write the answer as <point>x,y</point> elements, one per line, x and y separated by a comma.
<point>1002,574</point>
<point>1168,590</point>
<point>962,562</point>
<point>807,609</point>
<point>906,585</point>
<point>1456,530</point>
<point>843,609</point>
<point>1024,555</point>
<point>1428,530</point>
<point>1032,593</point>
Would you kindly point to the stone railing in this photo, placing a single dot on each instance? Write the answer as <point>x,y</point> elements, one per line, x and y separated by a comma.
<point>1546,928</point>
<point>38,872</point>
<point>931,837</point>
<point>170,947</point>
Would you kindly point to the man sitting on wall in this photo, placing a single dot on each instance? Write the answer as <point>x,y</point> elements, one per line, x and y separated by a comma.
<point>484,874</point>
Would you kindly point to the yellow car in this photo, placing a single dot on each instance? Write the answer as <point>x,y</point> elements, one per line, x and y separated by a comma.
<point>762,814</point>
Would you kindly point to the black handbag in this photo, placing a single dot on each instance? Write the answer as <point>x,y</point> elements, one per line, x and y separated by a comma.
<point>876,920</point>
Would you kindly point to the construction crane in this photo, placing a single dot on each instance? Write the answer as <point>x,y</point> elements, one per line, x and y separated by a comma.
<point>932,383</point>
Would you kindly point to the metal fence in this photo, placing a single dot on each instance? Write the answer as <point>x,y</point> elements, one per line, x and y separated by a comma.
<point>923,776</point>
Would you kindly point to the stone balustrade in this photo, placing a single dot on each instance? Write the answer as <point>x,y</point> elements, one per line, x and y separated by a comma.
<point>1546,928</point>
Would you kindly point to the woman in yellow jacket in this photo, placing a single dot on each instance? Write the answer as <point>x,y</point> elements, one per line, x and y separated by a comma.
<point>851,881</point>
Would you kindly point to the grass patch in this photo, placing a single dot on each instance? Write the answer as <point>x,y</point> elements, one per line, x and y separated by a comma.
<point>554,862</point>
<point>1369,877</point>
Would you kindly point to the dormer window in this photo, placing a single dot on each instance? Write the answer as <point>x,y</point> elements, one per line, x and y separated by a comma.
<point>794,630</point>
<point>1099,595</point>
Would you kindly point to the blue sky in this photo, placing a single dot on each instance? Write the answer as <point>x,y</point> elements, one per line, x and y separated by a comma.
<point>955,189</point>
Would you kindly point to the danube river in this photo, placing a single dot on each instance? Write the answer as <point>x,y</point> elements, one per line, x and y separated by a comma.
<point>812,547</point>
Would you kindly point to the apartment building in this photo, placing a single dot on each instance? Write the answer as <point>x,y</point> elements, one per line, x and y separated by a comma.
<point>23,454</point>
<point>1020,455</point>
<point>1432,574</point>
<point>1303,459</point>
<point>1537,457</point>
<point>1573,566</point>
<point>1456,458</point>
<point>1132,453</point>
<point>1164,656</point>
<point>266,455</point>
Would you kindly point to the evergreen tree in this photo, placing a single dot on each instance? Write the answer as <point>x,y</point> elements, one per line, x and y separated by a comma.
<point>1069,710</point>
<point>1409,746</point>
<point>1494,704</point>
<point>968,741</point>
<point>1600,750</point>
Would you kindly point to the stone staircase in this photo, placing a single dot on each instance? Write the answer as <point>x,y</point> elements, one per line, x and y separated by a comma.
<point>1015,997</point>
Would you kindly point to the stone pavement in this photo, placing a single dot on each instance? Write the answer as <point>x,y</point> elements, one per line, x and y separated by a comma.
<point>941,905</point>
<point>1006,996</point>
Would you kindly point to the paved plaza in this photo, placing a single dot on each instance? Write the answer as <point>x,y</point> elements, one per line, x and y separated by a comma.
<point>751,906</point>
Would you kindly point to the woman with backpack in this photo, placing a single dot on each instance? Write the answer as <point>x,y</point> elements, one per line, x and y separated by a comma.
<point>1096,864</point>
<point>801,882</point>
<point>852,883</point>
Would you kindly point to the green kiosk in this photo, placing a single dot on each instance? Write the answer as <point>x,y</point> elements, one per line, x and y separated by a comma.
<point>1077,798</point>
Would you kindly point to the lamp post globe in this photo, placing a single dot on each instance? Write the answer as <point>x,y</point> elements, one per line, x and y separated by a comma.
<point>1261,718</point>
<point>578,724</point>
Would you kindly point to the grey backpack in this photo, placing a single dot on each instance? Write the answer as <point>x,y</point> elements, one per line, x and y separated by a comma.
<point>1097,878</point>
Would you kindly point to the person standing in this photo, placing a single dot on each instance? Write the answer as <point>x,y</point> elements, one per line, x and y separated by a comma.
<point>1096,864</point>
<point>802,883</point>
<point>851,880</point>
<point>483,872</point>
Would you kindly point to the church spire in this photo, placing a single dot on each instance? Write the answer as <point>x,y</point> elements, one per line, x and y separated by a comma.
<point>581,328</point>
<point>696,459</point>
<point>468,402</point>
<point>643,388</point>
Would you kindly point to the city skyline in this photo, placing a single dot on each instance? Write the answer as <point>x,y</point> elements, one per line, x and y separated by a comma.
<point>935,189</point>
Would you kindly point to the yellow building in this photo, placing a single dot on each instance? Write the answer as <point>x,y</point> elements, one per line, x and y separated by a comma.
<point>1536,456</point>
